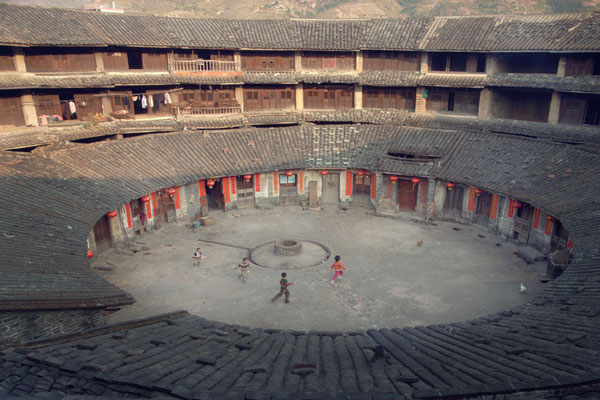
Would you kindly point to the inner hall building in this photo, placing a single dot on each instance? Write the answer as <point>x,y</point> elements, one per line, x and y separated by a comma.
<point>112,126</point>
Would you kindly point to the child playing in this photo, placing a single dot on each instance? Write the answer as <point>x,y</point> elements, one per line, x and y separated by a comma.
<point>197,256</point>
<point>338,267</point>
<point>283,284</point>
<point>244,269</point>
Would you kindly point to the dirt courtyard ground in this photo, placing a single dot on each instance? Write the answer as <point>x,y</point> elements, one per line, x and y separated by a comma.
<point>390,282</point>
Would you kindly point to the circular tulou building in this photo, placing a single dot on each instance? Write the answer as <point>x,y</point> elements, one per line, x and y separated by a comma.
<point>112,126</point>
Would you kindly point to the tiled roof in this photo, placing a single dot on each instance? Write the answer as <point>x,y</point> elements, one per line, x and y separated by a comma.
<point>30,137</point>
<point>52,200</point>
<point>568,84</point>
<point>389,78</point>
<point>572,84</point>
<point>453,80</point>
<point>110,80</point>
<point>38,26</point>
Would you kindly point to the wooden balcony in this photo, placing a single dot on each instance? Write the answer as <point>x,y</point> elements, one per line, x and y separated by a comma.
<point>205,67</point>
<point>184,111</point>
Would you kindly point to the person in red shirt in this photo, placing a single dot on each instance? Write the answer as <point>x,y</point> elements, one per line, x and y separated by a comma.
<point>338,267</point>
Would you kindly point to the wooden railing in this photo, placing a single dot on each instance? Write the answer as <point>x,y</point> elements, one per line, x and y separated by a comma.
<point>208,110</point>
<point>204,66</point>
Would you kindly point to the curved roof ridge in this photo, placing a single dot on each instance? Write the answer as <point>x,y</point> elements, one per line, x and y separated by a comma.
<point>38,26</point>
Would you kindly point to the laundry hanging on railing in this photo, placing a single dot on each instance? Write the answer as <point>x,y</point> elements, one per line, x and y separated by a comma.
<point>168,98</point>
<point>144,102</point>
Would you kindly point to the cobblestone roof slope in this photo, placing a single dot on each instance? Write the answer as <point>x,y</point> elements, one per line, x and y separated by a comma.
<point>52,200</point>
<point>52,26</point>
<point>42,136</point>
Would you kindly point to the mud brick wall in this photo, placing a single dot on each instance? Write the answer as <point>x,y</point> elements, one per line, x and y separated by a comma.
<point>25,326</point>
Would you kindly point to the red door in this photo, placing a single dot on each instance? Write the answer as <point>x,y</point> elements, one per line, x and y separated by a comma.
<point>407,195</point>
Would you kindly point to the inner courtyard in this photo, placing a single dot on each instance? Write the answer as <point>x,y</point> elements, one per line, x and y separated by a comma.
<point>401,272</point>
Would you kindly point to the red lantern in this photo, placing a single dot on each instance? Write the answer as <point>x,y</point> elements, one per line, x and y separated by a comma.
<point>247,178</point>
<point>393,178</point>
<point>145,198</point>
<point>449,185</point>
<point>210,183</point>
<point>516,204</point>
<point>550,218</point>
<point>360,172</point>
<point>111,214</point>
<point>415,180</point>
<point>289,173</point>
<point>90,254</point>
<point>324,172</point>
<point>478,192</point>
<point>171,191</point>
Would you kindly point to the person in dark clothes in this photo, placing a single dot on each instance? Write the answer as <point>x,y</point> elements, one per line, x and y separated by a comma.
<point>283,285</point>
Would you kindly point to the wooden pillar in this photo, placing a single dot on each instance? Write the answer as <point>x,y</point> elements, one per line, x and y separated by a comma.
<point>298,61</point>
<point>99,61</point>
<point>554,112</point>
<point>491,66</point>
<point>485,103</point>
<point>239,96</point>
<point>106,103</point>
<point>237,59</point>
<point>358,97</point>
<point>29,111</point>
<point>299,97</point>
<point>170,58</point>
<point>359,61</point>
<point>420,101</point>
<point>19,60</point>
<point>562,66</point>
<point>424,63</point>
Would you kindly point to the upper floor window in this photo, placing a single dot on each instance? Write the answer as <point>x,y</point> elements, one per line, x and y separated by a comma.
<point>267,61</point>
<point>456,62</point>
<point>582,64</point>
<point>7,62</point>
<point>329,61</point>
<point>391,61</point>
<point>54,59</point>
<point>520,63</point>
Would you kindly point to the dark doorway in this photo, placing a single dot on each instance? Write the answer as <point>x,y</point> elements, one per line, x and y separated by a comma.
<point>331,188</point>
<point>166,207</point>
<point>288,191</point>
<point>484,206</point>
<point>216,200</point>
<point>361,194</point>
<point>102,234</point>
<point>407,195</point>
<point>522,227</point>
<point>134,59</point>
<point>453,202</point>
<point>560,237</point>
<point>245,191</point>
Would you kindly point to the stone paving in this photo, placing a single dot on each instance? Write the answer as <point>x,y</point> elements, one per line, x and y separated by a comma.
<point>391,281</point>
